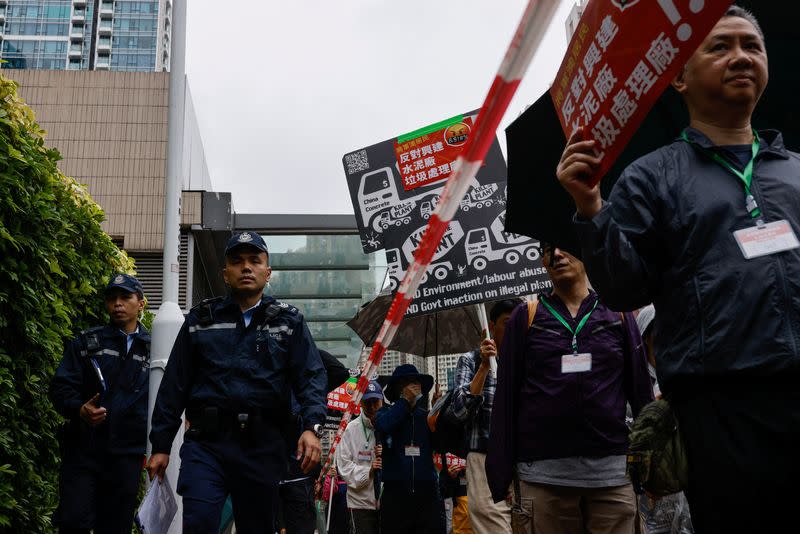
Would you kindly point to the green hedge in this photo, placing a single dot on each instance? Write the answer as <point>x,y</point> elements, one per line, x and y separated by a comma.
<point>54,262</point>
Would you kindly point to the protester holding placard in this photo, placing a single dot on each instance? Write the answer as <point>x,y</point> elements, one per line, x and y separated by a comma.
<point>453,486</point>
<point>568,366</point>
<point>706,229</point>
<point>472,404</point>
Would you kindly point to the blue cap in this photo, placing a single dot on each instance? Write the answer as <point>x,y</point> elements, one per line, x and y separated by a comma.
<point>126,282</point>
<point>246,238</point>
<point>374,391</point>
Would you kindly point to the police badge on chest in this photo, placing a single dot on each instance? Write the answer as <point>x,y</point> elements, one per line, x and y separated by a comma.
<point>271,339</point>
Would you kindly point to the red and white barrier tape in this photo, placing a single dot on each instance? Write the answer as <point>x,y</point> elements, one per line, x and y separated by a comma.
<point>529,34</point>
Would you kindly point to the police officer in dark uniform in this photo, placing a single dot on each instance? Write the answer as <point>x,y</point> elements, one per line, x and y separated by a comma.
<point>233,368</point>
<point>101,388</point>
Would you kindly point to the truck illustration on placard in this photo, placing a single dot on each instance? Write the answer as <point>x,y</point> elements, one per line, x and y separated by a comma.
<point>381,206</point>
<point>394,269</point>
<point>380,202</point>
<point>427,207</point>
<point>440,266</point>
<point>498,225</point>
<point>479,197</point>
<point>396,215</point>
<point>483,245</point>
<point>439,270</point>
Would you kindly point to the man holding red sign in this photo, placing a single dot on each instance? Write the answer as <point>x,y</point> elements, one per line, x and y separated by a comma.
<point>706,228</point>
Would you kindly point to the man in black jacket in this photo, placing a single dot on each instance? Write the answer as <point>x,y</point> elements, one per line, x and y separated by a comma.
<point>101,388</point>
<point>706,228</point>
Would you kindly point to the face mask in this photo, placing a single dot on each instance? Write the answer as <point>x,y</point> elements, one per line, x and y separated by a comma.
<point>417,398</point>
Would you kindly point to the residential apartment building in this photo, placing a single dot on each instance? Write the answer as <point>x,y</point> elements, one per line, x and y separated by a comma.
<point>393,358</point>
<point>117,35</point>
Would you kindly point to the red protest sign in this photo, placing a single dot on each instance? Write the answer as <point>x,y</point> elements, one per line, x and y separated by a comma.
<point>622,56</point>
<point>428,155</point>
<point>339,398</point>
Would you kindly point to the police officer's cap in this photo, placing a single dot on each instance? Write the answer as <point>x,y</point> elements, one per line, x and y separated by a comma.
<point>248,238</point>
<point>125,282</point>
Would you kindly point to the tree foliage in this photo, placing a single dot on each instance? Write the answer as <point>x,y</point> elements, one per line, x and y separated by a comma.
<point>54,262</point>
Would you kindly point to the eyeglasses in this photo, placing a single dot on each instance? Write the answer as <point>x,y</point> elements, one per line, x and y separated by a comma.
<point>546,250</point>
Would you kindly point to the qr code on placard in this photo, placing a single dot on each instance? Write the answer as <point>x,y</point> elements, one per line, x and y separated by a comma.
<point>356,162</point>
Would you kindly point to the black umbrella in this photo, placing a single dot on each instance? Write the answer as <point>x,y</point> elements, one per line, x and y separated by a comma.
<point>446,332</point>
<point>540,208</point>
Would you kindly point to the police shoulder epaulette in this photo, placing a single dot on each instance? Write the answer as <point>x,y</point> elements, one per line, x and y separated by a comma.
<point>206,302</point>
<point>275,308</point>
<point>92,330</point>
<point>205,315</point>
<point>286,307</point>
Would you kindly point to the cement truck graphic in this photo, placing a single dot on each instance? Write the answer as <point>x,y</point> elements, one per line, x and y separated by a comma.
<point>394,216</point>
<point>380,203</point>
<point>439,268</point>
<point>427,207</point>
<point>483,245</point>
<point>394,270</point>
<point>479,197</point>
<point>381,206</point>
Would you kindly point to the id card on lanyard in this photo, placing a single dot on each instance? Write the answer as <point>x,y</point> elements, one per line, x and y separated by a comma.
<point>365,455</point>
<point>763,238</point>
<point>575,362</point>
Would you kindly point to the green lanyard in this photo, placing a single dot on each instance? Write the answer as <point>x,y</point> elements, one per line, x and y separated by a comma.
<point>745,176</point>
<point>366,436</point>
<point>581,323</point>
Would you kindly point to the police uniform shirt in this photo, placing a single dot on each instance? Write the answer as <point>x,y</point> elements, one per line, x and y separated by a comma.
<point>124,362</point>
<point>239,366</point>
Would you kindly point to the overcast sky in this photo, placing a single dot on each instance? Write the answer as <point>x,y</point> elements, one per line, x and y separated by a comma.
<point>284,89</point>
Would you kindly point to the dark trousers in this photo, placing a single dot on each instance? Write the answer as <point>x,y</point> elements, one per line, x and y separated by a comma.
<point>404,512</point>
<point>743,445</point>
<point>297,506</point>
<point>98,491</point>
<point>247,468</point>
<point>365,521</point>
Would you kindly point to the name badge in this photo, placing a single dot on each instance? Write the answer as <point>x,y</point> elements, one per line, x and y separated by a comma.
<point>412,450</point>
<point>364,456</point>
<point>767,239</point>
<point>576,363</point>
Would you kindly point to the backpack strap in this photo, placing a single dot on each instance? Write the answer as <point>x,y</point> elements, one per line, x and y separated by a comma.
<point>532,306</point>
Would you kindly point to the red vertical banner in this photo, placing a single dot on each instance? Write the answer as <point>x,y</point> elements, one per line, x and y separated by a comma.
<point>622,56</point>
